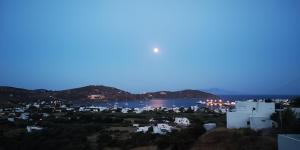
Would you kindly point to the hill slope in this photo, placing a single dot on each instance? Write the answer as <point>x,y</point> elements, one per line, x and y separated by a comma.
<point>92,92</point>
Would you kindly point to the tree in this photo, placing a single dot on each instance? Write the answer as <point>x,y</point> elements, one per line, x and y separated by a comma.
<point>286,117</point>
<point>295,102</point>
<point>181,109</point>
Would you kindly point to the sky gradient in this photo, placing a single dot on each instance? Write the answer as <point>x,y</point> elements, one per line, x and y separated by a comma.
<point>251,46</point>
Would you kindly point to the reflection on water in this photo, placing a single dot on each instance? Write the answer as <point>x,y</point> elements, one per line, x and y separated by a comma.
<point>141,103</point>
<point>157,103</point>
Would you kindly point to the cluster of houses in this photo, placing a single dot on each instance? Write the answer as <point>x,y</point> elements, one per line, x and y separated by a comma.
<point>24,111</point>
<point>31,112</point>
<point>44,109</point>
<point>166,126</point>
<point>163,128</point>
<point>137,110</point>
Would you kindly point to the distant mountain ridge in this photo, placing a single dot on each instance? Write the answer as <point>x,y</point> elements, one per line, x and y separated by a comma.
<point>93,92</point>
<point>218,91</point>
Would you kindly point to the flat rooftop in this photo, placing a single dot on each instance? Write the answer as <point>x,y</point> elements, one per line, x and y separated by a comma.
<point>291,136</point>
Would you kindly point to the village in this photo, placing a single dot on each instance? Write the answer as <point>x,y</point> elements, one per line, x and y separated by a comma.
<point>38,111</point>
<point>122,123</point>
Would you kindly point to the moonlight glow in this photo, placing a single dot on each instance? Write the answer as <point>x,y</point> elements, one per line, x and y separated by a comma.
<point>155,50</point>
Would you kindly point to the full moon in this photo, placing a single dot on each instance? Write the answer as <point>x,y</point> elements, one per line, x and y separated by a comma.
<point>155,50</point>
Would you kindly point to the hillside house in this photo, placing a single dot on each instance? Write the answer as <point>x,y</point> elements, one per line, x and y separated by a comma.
<point>161,128</point>
<point>255,115</point>
<point>182,121</point>
<point>96,97</point>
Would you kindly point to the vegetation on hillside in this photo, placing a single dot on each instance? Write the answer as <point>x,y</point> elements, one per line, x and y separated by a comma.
<point>80,131</point>
<point>235,139</point>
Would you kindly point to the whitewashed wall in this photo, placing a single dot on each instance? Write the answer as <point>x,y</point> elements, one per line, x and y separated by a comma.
<point>237,120</point>
<point>257,123</point>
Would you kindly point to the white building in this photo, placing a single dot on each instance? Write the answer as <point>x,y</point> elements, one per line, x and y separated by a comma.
<point>143,129</point>
<point>81,108</point>
<point>11,119</point>
<point>176,109</point>
<point>135,125</point>
<point>70,109</point>
<point>161,128</point>
<point>32,128</point>
<point>36,105</point>
<point>182,121</point>
<point>46,115</point>
<point>96,97</point>
<point>209,126</point>
<point>138,111</point>
<point>125,110</point>
<point>63,106</point>
<point>24,116</point>
<point>221,110</point>
<point>255,115</point>
<point>19,110</point>
<point>195,108</point>
<point>148,108</point>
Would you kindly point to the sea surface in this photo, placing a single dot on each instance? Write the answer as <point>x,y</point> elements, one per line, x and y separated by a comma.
<point>173,102</point>
<point>247,97</point>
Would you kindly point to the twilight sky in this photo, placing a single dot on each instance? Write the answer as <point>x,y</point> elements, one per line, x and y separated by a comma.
<point>250,46</point>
